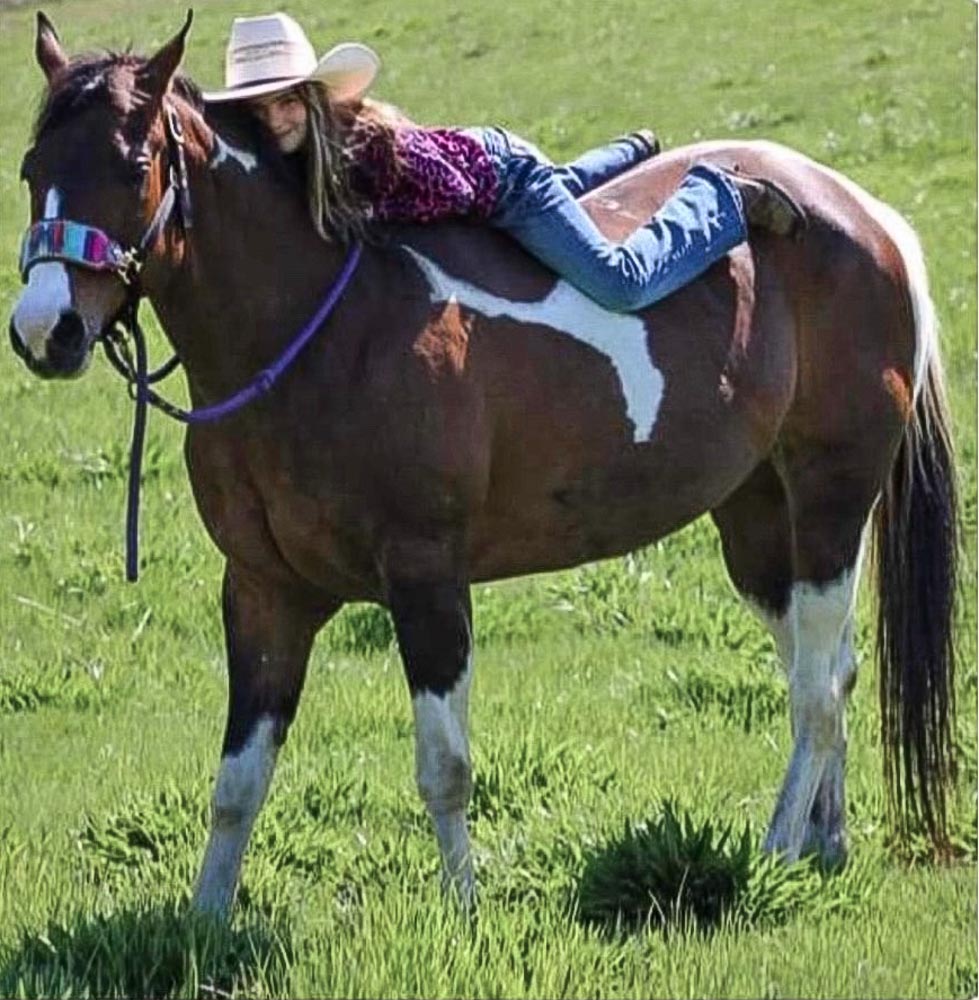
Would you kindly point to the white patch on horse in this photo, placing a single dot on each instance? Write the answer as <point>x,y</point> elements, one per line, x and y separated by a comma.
<point>241,787</point>
<point>818,679</point>
<point>444,775</point>
<point>52,204</point>
<point>47,295</point>
<point>621,337</point>
<point>225,151</point>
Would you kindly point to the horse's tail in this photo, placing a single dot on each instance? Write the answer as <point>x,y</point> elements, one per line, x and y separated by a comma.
<point>916,546</point>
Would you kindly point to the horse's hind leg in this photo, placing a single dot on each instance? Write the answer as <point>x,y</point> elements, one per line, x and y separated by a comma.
<point>757,538</point>
<point>831,491</point>
<point>810,812</point>
<point>268,635</point>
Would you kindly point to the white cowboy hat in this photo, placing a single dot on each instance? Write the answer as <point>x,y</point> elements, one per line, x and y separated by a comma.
<point>270,53</point>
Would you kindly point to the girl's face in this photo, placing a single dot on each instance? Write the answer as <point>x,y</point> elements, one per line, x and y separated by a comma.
<point>286,118</point>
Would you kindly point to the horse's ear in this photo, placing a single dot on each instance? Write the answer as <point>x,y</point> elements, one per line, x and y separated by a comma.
<point>50,55</point>
<point>155,76</point>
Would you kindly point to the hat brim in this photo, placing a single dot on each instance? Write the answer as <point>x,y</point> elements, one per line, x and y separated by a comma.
<point>252,90</point>
<point>347,71</point>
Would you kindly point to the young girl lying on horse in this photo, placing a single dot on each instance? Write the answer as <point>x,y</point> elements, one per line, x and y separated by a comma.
<point>366,161</point>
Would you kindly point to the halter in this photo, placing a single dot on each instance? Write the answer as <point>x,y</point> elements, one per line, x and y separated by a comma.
<point>89,247</point>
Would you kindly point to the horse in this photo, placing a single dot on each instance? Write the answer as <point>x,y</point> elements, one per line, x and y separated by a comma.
<point>463,415</point>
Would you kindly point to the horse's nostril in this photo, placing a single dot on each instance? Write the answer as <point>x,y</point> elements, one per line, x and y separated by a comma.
<point>69,332</point>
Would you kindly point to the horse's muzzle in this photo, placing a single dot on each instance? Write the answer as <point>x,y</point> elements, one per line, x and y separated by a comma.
<point>67,348</point>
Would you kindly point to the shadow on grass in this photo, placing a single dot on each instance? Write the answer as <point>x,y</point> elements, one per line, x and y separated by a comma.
<point>673,873</point>
<point>143,953</point>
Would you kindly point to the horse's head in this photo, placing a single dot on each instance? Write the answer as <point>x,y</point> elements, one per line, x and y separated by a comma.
<point>101,171</point>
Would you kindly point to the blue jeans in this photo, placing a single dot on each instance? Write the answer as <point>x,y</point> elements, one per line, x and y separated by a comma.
<point>536,204</point>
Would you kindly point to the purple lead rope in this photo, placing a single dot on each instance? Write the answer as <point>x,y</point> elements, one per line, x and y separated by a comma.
<point>140,377</point>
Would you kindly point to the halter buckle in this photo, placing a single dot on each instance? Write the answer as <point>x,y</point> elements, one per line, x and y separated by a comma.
<point>129,267</point>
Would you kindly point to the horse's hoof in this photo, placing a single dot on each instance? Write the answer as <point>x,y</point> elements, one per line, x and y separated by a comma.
<point>833,853</point>
<point>830,851</point>
<point>462,893</point>
<point>215,910</point>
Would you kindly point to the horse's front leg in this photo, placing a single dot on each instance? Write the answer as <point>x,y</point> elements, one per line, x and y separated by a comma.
<point>268,634</point>
<point>433,622</point>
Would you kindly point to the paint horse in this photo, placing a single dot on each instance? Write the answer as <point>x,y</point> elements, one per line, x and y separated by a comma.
<point>464,416</point>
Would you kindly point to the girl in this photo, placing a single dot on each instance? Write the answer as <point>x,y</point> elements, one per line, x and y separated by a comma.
<point>366,161</point>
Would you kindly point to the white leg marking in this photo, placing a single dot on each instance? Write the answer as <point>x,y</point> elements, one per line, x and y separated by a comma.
<point>819,617</point>
<point>621,337</point>
<point>242,784</point>
<point>827,837</point>
<point>444,776</point>
<point>829,834</point>
<point>47,295</point>
<point>780,628</point>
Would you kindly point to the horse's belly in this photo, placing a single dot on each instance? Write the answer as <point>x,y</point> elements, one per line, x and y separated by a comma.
<point>604,510</point>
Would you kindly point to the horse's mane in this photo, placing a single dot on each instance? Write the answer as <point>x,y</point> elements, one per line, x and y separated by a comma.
<point>87,80</point>
<point>90,79</point>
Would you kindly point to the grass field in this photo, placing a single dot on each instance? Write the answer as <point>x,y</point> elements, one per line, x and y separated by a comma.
<point>617,710</point>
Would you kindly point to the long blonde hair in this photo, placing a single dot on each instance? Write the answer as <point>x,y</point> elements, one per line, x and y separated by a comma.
<point>334,135</point>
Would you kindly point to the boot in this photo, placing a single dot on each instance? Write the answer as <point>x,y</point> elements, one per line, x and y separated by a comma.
<point>768,206</point>
<point>645,140</point>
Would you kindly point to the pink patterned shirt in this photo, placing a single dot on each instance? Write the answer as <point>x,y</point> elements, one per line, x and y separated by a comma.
<point>442,173</point>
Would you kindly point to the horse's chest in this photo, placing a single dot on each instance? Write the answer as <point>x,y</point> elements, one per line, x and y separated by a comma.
<point>324,541</point>
<point>282,517</point>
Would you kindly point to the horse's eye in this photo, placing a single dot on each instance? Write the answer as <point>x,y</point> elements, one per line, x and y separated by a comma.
<point>140,166</point>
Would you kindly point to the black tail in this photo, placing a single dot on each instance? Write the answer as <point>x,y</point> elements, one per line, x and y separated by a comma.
<point>916,543</point>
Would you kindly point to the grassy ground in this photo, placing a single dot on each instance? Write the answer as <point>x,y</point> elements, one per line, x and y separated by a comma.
<point>609,701</point>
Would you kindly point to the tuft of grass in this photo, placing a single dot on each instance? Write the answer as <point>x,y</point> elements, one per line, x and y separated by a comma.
<point>145,830</point>
<point>142,952</point>
<point>663,871</point>
<point>678,871</point>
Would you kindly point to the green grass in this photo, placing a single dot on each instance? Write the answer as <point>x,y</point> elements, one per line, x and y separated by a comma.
<point>629,720</point>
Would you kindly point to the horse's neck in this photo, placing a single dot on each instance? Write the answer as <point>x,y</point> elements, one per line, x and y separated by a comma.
<point>253,272</point>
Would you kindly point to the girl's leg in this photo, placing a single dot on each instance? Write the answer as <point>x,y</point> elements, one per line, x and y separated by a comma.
<point>596,166</point>
<point>699,223</point>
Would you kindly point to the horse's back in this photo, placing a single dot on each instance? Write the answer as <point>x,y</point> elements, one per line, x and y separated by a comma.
<point>831,200</point>
<point>856,280</point>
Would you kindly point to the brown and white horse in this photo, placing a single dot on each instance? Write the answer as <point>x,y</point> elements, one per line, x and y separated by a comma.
<point>464,416</point>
